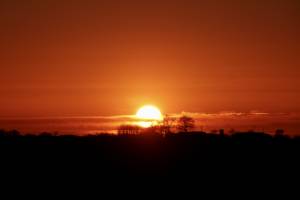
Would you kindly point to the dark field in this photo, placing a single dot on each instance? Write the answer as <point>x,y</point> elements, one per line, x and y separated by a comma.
<point>183,155</point>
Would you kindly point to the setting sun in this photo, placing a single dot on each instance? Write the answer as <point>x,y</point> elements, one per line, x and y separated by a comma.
<point>151,114</point>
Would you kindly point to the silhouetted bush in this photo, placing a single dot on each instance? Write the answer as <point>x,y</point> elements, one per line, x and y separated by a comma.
<point>184,123</point>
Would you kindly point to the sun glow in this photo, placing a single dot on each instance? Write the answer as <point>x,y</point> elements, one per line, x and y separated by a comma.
<point>150,115</point>
<point>145,124</point>
<point>149,112</point>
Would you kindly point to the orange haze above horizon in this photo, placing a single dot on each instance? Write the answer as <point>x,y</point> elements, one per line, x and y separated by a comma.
<point>91,57</point>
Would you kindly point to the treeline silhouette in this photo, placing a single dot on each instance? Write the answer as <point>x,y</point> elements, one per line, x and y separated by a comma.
<point>153,155</point>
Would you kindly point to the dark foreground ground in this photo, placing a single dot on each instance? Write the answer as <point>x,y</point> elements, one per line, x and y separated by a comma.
<point>198,156</point>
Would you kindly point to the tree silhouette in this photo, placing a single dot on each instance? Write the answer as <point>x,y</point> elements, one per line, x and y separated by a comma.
<point>129,130</point>
<point>185,123</point>
<point>167,124</point>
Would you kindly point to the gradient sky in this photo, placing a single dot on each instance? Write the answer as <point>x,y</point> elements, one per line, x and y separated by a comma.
<point>85,58</point>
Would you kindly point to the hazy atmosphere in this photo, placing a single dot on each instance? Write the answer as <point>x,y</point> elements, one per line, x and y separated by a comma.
<point>108,58</point>
<point>138,96</point>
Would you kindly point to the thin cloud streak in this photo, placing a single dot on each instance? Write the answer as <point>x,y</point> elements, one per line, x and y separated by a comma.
<point>243,121</point>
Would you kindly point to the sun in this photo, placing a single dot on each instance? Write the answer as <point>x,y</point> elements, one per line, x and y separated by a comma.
<point>150,114</point>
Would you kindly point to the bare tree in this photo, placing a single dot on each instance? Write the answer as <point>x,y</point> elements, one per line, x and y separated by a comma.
<point>167,124</point>
<point>185,123</point>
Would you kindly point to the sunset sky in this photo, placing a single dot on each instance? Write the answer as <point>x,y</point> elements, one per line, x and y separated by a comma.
<point>105,58</point>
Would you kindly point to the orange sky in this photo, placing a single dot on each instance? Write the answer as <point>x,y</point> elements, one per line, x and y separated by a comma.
<point>85,58</point>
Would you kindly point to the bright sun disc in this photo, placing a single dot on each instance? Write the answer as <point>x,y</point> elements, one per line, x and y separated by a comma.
<point>149,112</point>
